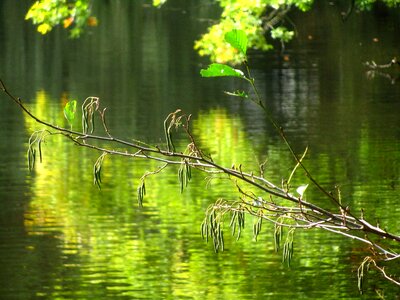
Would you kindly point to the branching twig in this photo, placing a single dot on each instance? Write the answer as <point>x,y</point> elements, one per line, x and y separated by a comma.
<point>291,212</point>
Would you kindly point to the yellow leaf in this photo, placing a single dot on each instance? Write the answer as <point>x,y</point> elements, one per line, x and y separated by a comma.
<point>44,28</point>
<point>67,22</point>
<point>31,11</point>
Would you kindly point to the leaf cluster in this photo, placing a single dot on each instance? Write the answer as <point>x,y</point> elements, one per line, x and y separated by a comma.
<point>74,15</point>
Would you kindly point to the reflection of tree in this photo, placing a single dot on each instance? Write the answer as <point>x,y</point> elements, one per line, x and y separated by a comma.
<point>281,204</point>
<point>120,244</point>
<point>103,238</point>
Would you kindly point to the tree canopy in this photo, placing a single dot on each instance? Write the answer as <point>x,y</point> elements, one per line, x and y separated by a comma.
<point>262,20</point>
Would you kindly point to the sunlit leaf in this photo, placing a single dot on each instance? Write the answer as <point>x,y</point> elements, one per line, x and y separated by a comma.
<point>221,70</point>
<point>301,189</point>
<point>68,22</point>
<point>44,28</point>
<point>281,33</point>
<point>69,111</point>
<point>158,3</point>
<point>237,39</point>
<point>237,93</point>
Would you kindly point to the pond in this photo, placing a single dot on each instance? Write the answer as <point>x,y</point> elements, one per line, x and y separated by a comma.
<point>63,238</point>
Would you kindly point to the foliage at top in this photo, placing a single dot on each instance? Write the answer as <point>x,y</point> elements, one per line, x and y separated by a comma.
<point>261,20</point>
<point>73,15</point>
<point>254,17</point>
<point>367,4</point>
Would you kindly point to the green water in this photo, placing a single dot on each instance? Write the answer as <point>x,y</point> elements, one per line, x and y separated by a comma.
<point>63,238</point>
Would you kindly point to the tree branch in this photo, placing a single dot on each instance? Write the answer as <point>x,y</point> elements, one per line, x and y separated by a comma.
<point>300,214</point>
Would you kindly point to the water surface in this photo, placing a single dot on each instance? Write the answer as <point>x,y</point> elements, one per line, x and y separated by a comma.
<point>63,238</point>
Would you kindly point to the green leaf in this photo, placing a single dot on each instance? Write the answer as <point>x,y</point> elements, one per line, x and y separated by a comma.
<point>237,39</point>
<point>69,111</point>
<point>281,33</point>
<point>221,70</point>
<point>158,3</point>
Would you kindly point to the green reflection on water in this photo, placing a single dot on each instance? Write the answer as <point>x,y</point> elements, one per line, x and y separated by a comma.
<point>83,243</point>
<point>114,245</point>
<point>103,245</point>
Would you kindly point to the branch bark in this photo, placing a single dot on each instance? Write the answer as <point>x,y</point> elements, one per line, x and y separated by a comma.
<point>300,214</point>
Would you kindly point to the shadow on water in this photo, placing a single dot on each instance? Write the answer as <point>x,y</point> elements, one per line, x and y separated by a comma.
<point>63,238</point>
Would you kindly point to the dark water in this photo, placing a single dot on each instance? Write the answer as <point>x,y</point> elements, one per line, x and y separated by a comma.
<point>62,238</point>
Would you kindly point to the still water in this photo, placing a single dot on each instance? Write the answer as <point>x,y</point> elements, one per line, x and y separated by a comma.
<point>62,238</point>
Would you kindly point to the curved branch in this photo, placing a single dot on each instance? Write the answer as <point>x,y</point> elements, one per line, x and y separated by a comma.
<point>302,214</point>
